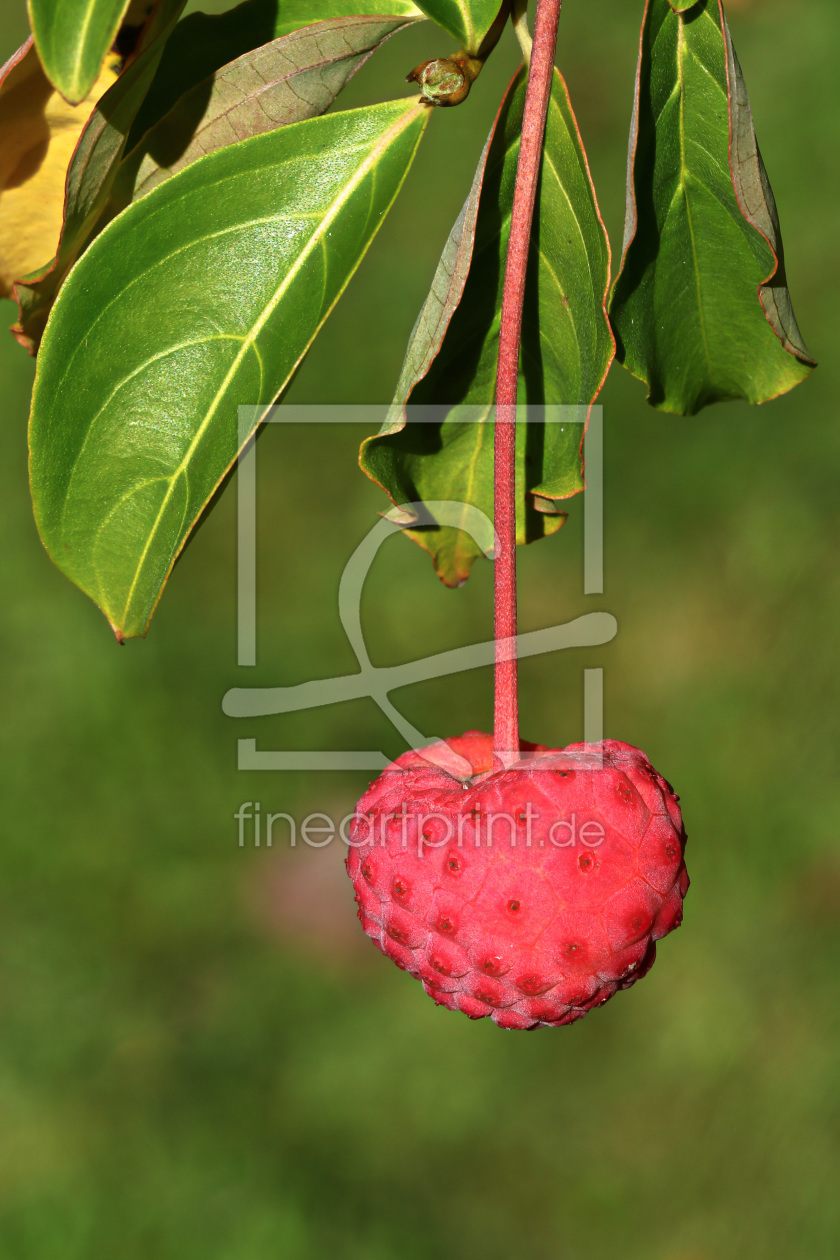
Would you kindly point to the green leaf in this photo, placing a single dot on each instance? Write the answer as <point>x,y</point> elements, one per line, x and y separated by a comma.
<point>204,295</point>
<point>91,174</point>
<point>292,78</point>
<point>73,38</point>
<point>451,360</point>
<point>468,21</point>
<point>701,307</point>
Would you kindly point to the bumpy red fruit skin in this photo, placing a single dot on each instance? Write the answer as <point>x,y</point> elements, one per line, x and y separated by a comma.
<point>530,894</point>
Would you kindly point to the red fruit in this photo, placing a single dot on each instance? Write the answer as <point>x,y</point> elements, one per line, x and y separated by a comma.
<point>529,894</point>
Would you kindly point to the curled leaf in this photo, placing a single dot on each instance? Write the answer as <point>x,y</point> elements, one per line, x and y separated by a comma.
<point>755,197</point>
<point>437,441</point>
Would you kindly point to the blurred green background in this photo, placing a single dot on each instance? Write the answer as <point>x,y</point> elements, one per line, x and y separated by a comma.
<point>200,1052</point>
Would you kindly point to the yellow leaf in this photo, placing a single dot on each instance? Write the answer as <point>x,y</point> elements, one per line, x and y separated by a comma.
<point>39,131</point>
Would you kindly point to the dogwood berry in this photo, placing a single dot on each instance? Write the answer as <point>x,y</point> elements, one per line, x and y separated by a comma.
<point>531,893</point>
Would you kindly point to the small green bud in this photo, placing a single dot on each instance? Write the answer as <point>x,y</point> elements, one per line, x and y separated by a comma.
<point>445,80</point>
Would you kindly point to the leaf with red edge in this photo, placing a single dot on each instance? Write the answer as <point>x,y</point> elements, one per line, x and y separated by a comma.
<point>289,79</point>
<point>204,42</point>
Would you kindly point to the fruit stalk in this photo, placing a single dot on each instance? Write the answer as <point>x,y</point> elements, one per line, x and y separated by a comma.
<point>538,93</point>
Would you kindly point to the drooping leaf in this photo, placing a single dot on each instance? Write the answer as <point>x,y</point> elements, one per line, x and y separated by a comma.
<point>295,77</point>
<point>468,21</point>
<point>38,133</point>
<point>701,307</point>
<point>91,175</point>
<point>73,38</point>
<point>432,455</point>
<point>204,295</point>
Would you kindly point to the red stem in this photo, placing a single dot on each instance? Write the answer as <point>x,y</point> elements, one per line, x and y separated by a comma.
<point>538,93</point>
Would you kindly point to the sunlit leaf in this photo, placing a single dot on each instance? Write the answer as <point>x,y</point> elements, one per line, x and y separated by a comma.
<point>38,132</point>
<point>73,38</point>
<point>701,307</point>
<point>203,295</point>
<point>451,360</point>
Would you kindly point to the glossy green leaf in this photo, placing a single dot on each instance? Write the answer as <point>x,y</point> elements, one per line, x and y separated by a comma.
<point>203,296</point>
<point>292,78</point>
<point>73,38</point>
<point>701,307</point>
<point>92,172</point>
<point>451,360</point>
<point>468,21</point>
